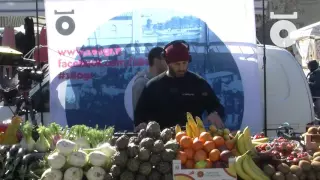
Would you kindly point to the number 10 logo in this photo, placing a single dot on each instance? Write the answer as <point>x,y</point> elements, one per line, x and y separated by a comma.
<point>280,25</point>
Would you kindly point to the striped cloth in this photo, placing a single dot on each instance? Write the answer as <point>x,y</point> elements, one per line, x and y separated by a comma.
<point>13,21</point>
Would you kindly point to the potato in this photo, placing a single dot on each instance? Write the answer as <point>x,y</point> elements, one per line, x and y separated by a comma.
<point>284,168</point>
<point>303,176</point>
<point>269,170</point>
<point>311,176</point>
<point>278,176</point>
<point>312,130</point>
<point>225,155</point>
<point>316,154</point>
<point>315,165</point>
<point>316,159</point>
<point>289,176</point>
<point>296,170</point>
<point>294,177</point>
<point>305,165</point>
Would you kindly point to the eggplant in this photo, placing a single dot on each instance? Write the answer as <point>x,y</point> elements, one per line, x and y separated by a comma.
<point>14,149</point>
<point>27,159</point>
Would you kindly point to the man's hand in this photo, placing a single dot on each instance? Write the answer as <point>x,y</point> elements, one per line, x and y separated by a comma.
<point>215,119</point>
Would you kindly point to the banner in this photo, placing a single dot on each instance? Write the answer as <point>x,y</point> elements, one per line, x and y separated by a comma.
<point>96,48</point>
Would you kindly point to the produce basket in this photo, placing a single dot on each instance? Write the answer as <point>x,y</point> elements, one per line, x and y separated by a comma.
<point>201,174</point>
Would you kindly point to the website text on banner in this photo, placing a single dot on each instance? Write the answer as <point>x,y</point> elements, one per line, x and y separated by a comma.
<point>94,63</point>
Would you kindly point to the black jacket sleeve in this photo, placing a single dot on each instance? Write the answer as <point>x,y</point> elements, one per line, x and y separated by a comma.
<point>212,102</point>
<point>142,110</point>
<point>314,82</point>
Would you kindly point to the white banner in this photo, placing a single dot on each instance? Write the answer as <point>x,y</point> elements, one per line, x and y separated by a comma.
<point>96,47</point>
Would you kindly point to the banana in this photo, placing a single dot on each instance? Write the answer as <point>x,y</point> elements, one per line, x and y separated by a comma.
<point>178,128</point>
<point>261,140</point>
<point>247,139</point>
<point>232,169</point>
<point>240,144</point>
<point>252,169</point>
<point>239,168</point>
<point>200,125</point>
<point>188,130</point>
<point>193,125</point>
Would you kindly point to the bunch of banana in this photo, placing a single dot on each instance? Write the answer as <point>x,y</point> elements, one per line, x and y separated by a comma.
<point>231,170</point>
<point>196,127</point>
<point>257,142</point>
<point>244,142</point>
<point>247,169</point>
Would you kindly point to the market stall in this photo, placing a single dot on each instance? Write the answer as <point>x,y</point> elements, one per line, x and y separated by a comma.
<point>190,152</point>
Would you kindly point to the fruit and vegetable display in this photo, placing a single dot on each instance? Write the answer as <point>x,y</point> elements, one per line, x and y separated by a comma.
<point>80,152</point>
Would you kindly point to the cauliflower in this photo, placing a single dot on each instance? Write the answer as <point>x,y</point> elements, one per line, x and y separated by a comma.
<point>144,154</point>
<point>168,155</point>
<point>115,171</point>
<point>158,146</point>
<point>133,150</point>
<point>133,164</point>
<point>166,135</point>
<point>163,167</point>
<point>122,142</point>
<point>153,129</point>
<point>146,143</point>
<point>145,168</point>
<point>127,175</point>
<point>120,158</point>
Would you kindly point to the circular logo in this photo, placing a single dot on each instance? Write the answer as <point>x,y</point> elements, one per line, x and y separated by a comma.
<point>65,20</point>
<point>275,36</point>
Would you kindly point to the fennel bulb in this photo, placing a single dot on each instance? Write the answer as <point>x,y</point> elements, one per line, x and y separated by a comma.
<point>96,173</point>
<point>105,148</point>
<point>97,158</point>
<point>65,146</point>
<point>28,144</point>
<point>73,173</point>
<point>82,143</point>
<point>42,144</point>
<point>52,174</point>
<point>78,158</point>
<point>56,160</point>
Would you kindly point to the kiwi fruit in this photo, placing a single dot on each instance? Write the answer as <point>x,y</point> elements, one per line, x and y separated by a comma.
<point>269,170</point>
<point>312,130</point>
<point>296,170</point>
<point>305,165</point>
<point>278,176</point>
<point>284,168</point>
<point>315,165</point>
<point>311,176</point>
<point>316,159</point>
<point>294,177</point>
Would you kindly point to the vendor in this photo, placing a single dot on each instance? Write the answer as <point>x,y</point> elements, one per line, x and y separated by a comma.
<point>167,97</point>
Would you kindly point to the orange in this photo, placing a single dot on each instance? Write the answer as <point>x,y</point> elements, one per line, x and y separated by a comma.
<point>230,144</point>
<point>186,142</point>
<point>197,144</point>
<point>200,155</point>
<point>214,155</point>
<point>218,141</point>
<point>189,164</point>
<point>209,163</point>
<point>182,156</point>
<point>205,136</point>
<point>189,152</point>
<point>208,146</point>
<point>179,135</point>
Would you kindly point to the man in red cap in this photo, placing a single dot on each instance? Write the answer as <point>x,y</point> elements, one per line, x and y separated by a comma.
<point>167,97</point>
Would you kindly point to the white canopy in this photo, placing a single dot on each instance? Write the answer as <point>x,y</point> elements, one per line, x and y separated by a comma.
<point>312,30</point>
